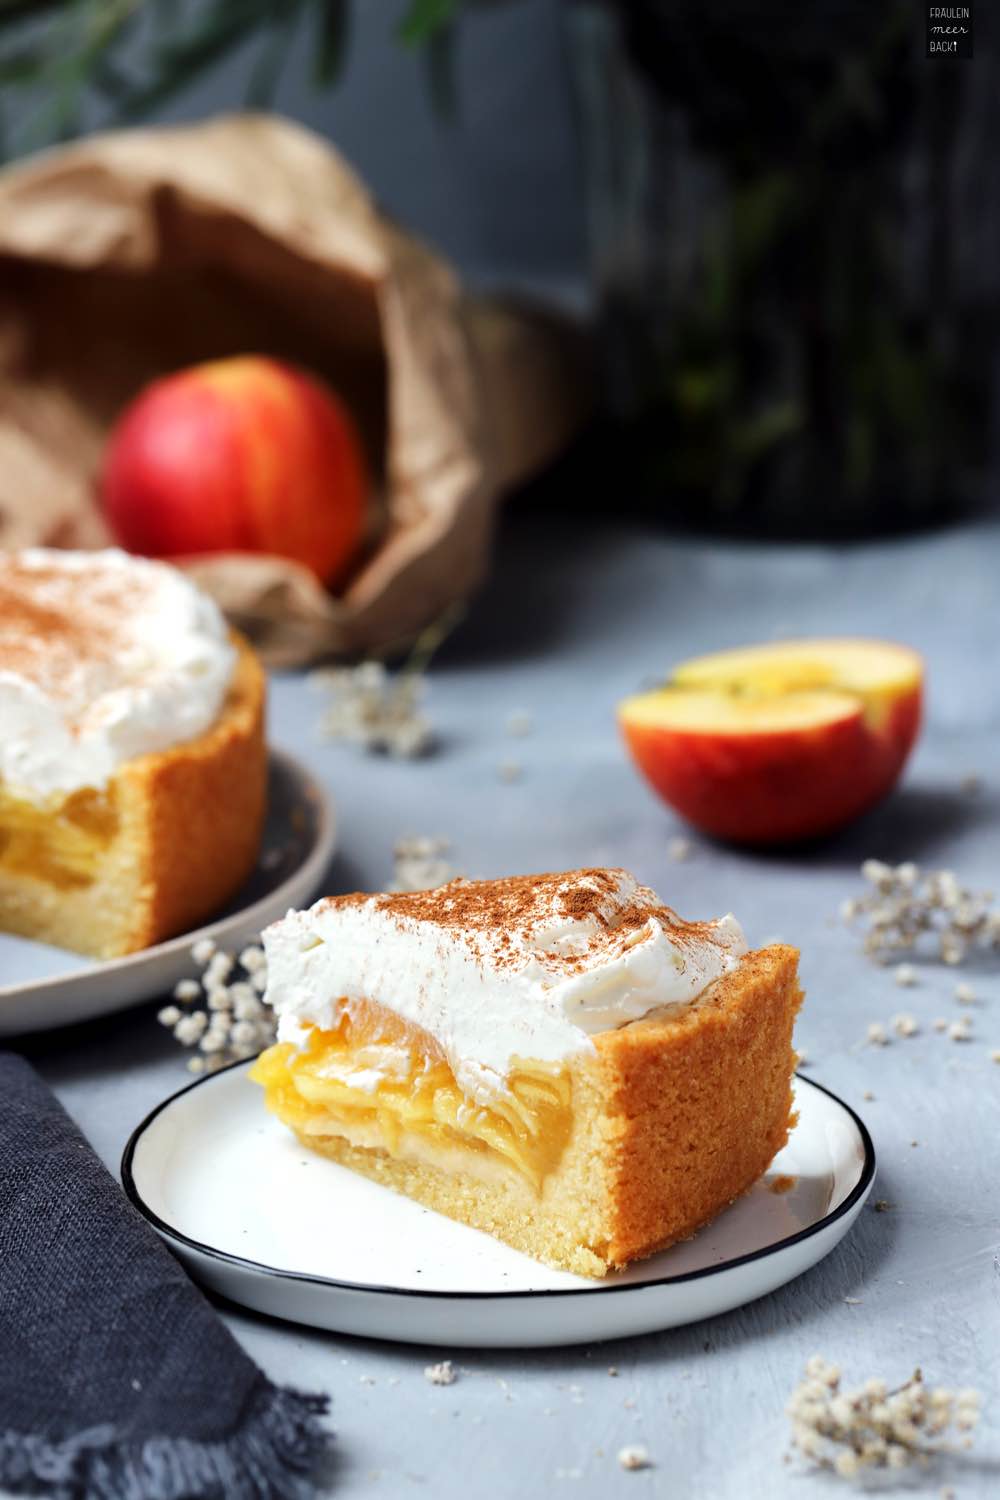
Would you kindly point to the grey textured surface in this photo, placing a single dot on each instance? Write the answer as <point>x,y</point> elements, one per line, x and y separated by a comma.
<point>573,620</point>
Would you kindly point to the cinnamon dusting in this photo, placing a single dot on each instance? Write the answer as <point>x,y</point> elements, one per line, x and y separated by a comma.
<point>512,915</point>
<point>55,622</point>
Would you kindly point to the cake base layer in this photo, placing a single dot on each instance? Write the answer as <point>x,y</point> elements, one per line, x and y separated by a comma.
<point>673,1117</point>
<point>173,836</point>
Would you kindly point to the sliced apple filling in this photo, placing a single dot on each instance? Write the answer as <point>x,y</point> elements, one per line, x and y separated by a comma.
<point>392,1090</point>
<point>61,844</point>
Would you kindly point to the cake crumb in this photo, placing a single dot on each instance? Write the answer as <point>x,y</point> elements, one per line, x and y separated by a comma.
<point>853,1301</point>
<point>868,1095</point>
<point>965,994</point>
<point>905,975</point>
<point>877,1034</point>
<point>995,1055</point>
<point>782,1184</point>
<point>679,849</point>
<point>960,1031</point>
<point>441,1374</point>
<point>940,1024</point>
<point>634,1457</point>
<point>882,1205</point>
<point>612,1369</point>
<point>905,1024</point>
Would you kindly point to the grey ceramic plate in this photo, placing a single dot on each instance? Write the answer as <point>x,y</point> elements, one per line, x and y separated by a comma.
<point>43,987</point>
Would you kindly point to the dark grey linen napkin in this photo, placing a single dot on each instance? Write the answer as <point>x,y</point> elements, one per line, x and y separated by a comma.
<point>117,1378</point>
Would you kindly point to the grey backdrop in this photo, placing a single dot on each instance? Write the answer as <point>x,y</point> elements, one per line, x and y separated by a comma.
<point>499,188</point>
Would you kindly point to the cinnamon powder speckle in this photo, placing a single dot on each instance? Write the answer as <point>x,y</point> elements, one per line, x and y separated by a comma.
<point>522,913</point>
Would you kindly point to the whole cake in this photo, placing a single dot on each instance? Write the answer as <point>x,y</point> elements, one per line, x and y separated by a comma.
<point>132,756</point>
<point>557,1059</point>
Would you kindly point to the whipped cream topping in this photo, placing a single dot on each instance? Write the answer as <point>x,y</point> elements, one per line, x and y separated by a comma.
<point>530,967</point>
<point>103,657</point>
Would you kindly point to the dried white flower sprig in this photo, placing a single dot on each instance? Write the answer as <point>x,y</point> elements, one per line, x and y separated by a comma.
<point>907,904</point>
<point>373,708</point>
<point>873,1427</point>
<point>419,864</point>
<point>222,1013</point>
<point>381,710</point>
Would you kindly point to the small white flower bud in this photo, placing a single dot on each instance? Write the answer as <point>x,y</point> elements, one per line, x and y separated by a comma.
<point>190,1028</point>
<point>219,968</point>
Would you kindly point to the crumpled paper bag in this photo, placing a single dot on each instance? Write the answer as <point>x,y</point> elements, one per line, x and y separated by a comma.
<point>141,251</point>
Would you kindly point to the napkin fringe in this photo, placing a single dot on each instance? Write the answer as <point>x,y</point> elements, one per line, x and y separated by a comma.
<point>272,1456</point>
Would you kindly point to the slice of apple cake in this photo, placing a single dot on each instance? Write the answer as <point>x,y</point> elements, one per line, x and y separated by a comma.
<point>557,1059</point>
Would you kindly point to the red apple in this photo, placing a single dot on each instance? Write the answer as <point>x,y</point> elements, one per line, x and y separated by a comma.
<point>778,742</point>
<point>238,455</point>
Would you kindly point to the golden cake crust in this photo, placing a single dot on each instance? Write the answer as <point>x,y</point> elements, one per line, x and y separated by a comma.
<point>698,1102</point>
<point>204,805</point>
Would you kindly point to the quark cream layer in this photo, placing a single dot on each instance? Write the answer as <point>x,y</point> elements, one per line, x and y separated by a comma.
<point>531,967</point>
<point>103,657</point>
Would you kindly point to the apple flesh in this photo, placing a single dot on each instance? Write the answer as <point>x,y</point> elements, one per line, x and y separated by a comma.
<point>238,455</point>
<point>781,742</point>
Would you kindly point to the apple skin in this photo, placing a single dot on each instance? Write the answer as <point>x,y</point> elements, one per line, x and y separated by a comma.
<point>237,455</point>
<point>778,787</point>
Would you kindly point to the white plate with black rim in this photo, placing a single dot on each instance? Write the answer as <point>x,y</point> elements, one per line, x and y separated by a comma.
<point>261,1221</point>
<point>43,987</point>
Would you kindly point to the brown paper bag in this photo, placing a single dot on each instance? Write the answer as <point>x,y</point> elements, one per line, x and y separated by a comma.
<point>142,251</point>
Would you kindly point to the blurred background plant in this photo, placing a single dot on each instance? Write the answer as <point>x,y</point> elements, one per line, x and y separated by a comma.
<point>135,55</point>
<point>796,257</point>
<point>794,230</point>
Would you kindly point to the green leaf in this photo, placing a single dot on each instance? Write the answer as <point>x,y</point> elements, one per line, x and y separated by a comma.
<point>271,61</point>
<point>178,61</point>
<point>439,55</point>
<point>332,30</point>
<point>424,18</point>
<point>21,65</point>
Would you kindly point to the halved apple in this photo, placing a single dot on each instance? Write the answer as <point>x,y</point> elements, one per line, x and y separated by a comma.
<point>774,743</point>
